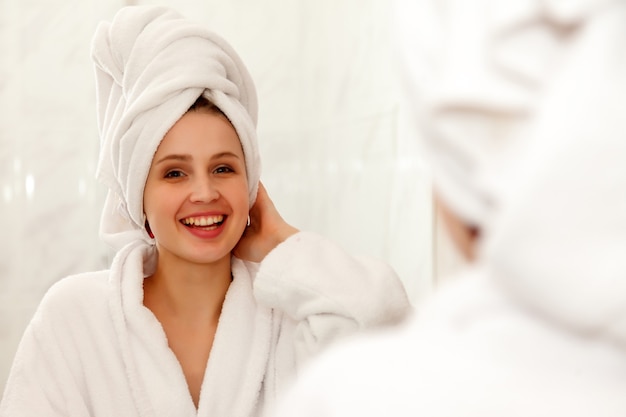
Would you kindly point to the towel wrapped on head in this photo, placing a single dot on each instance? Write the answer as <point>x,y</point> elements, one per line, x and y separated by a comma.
<point>560,240</point>
<point>474,73</point>
<point>151,65</point>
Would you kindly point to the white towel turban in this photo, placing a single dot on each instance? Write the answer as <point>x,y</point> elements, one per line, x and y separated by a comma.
<point>474,72</point>
<point>151,65</point>
<point>560,244</point>
<point>525,107</point>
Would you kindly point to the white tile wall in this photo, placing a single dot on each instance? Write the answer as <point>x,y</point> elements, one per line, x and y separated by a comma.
<point>338,156</point>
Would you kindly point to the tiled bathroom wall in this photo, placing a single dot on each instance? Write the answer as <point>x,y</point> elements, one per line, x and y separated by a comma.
<point>338,153</point>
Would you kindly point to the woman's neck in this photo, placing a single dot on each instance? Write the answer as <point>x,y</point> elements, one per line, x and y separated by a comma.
<point>187,291</point>
<point>187,300</point>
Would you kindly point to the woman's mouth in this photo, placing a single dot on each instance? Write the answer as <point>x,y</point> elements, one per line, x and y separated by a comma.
<point>204,222</point>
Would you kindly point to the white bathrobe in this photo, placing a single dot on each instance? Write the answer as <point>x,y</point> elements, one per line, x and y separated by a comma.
<point>93,348</point>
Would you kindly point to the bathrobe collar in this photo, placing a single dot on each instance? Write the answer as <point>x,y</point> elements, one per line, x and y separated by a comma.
<point>238,360</point>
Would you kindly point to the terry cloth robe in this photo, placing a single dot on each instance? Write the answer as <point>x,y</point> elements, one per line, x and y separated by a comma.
<point>93,349</point>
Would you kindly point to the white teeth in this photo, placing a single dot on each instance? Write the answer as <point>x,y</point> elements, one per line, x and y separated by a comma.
<point>203,221</point>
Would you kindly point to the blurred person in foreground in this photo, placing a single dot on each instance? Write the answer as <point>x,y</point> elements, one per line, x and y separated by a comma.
<point>521,108</point>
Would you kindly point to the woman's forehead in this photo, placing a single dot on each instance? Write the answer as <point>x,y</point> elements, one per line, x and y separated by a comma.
<point>201,132</point>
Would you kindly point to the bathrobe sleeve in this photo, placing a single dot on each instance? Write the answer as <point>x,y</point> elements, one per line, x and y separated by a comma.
<point>327,293</point>
<point>64,354</point>
<point>41,382</point>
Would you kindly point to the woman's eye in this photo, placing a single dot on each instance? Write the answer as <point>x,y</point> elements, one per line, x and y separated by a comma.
<point>174,174</point>
<point>223,170</point>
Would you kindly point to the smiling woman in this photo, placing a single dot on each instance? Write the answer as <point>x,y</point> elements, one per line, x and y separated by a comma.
<point>196,204</point>
<point>199,314</point>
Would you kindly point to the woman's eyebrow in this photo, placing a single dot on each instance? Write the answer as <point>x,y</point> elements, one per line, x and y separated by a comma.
<point>187,158</point>
<point>225,154</point>
<point>174,157</point>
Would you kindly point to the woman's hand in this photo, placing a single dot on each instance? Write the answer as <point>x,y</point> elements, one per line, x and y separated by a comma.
<point>266,231</point>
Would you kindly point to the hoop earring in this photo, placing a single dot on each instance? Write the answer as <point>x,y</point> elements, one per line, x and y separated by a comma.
<point>146,225</point>
<point>248,222</point>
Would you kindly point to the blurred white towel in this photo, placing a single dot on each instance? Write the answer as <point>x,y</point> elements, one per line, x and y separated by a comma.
<point>559,247</point>
<point>474,73</point>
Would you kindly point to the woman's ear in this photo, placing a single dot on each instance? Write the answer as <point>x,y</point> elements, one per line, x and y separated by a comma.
<point>464,236</point>
<point>146,225</point>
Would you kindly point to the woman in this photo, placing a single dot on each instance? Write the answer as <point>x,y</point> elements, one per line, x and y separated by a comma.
<point>534,326</point>
<point>178,325</point>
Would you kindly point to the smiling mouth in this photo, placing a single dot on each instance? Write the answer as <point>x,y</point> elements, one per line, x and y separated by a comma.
<point>204,222</point>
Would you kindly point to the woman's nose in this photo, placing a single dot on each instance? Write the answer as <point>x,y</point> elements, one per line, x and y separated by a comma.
<point>204,190</point>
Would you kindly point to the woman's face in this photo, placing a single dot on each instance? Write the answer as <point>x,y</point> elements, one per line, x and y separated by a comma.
<point>196,195</point>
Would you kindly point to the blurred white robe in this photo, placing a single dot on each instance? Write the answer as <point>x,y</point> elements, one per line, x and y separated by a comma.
<point>471,352</point>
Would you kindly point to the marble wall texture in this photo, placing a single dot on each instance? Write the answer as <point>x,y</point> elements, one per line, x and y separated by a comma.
<point>339,155</point>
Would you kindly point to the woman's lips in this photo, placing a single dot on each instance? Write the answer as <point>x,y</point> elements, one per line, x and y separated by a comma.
<point>205,227</point>
<point>203,221</point>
